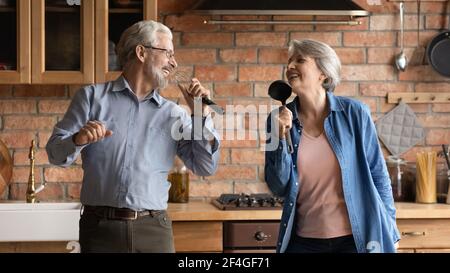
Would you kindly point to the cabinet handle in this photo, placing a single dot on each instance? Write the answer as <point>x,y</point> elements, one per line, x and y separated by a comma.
<point>261,236</point>
<point>414,233</point>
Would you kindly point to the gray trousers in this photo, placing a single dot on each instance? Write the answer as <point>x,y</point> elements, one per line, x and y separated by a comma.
<point>145,234</point>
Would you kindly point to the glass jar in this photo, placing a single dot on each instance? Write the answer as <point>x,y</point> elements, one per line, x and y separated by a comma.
<point>396,168</point>
<point>179,179</point>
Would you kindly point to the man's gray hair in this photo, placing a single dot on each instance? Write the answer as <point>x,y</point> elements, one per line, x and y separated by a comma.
<point>140,33</point>
<point>326,59</point>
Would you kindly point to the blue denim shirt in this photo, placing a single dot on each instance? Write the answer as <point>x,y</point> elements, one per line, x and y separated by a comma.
<point>365,179</point>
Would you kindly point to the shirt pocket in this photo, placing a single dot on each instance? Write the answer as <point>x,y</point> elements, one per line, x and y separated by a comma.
<point>160,148</point>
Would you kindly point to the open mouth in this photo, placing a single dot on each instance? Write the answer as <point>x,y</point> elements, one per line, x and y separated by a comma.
<point>293,76</point>
<point>166,71</point>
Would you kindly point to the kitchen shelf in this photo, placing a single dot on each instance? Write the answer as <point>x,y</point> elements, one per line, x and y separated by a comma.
<point>414,97</point>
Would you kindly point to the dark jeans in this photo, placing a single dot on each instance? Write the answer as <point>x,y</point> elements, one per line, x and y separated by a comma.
<point>344,244</point>
<point>145,234</point>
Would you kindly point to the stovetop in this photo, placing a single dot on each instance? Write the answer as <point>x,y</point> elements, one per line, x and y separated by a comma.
<point>257,201</point>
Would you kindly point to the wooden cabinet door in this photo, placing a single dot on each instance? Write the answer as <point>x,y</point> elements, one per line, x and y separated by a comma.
<point>424,233</point>
<point>15,30</point>
<point>63,41</point>
<point>111,19</point>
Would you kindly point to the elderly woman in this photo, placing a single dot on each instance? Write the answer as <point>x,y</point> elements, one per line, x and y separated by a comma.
<point>337,190</point>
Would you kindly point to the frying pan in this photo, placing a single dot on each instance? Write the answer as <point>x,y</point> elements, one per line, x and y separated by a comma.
<point>281,91</point>
<point>438,52</point>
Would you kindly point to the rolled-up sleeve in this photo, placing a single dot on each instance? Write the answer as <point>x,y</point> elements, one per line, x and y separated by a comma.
<point>61,149</point>
<point>195,149</point>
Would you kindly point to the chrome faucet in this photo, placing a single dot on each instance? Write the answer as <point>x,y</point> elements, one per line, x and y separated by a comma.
<point>31,191</point>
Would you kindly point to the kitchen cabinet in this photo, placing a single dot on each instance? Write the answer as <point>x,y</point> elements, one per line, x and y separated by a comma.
<point>59,42</point>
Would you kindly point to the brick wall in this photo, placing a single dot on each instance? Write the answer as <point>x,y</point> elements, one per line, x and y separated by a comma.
<point>238,63</point>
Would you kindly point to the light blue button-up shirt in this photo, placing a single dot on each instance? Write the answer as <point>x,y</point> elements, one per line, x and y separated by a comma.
<point>129,169</point>
<point>365,180</point>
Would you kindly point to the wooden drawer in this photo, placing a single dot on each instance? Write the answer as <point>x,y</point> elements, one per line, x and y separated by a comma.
<point>424,233</point>
<point>198,236</point>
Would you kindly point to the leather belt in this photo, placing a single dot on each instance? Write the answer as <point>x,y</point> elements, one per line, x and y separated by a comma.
<point>119,213</point>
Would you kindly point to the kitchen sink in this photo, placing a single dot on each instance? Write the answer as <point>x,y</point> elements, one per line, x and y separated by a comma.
<point>26,222</point>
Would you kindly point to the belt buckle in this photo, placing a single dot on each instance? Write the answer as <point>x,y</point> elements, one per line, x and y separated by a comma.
<point>135,215</point>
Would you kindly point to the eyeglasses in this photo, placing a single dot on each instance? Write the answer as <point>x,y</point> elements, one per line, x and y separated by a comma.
<point>169,53</point>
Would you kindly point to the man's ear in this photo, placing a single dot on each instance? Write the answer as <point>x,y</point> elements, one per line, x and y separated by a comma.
<point>140,53</point>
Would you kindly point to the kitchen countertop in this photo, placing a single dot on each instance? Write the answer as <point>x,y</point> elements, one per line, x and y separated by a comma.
<point>198,210</point>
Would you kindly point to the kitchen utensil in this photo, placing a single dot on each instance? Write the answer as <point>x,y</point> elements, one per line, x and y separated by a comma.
<point>445,152</point>
<point>183,81</point>
<point>6,167</point>
<point>401,62</point>
<point>281,91</point>
<point>399,130</point>
<point>438,52</point>
<point>418,56</point>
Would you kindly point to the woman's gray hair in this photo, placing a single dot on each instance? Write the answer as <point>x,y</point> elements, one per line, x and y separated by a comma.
<point>326,59</point>
<point>140,33</point>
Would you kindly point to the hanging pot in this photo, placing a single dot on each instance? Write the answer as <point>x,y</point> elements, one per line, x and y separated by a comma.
<point>438,52</point>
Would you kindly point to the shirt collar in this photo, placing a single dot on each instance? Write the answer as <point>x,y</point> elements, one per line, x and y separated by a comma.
<point>121,84</point>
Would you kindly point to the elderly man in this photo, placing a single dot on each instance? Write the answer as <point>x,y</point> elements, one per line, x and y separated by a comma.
<point>128,136</point>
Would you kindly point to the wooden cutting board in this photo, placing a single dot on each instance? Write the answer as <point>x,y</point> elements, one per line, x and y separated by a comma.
<point>6,167</point>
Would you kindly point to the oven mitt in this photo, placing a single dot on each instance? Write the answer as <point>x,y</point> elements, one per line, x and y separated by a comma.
<point>399,130</point>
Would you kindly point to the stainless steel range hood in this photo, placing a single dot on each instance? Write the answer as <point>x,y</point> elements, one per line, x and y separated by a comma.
<point>279,7</point>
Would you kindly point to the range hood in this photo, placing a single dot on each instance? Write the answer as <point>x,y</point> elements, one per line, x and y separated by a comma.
<point>279,7</point>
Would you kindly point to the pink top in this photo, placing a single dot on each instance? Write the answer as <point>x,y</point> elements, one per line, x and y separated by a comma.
<point>321,209</point>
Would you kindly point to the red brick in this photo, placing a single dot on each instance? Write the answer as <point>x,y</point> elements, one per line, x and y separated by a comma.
<point>63,174</point>
<point>261,39</point>
<point>351,55</point>
<point>368,72</point>
<point>215,72</point>
<point>209,188</point>
<point>195,56</point>
<point>5,91</point>
<point>233,90</point>
<point>190,23</point>
<point>73,191</point>
<point>432,87</point>
<point>441,107</point>
<point>439,7</point>
<point>386,55</point>
<point>17,139</point>
<point>330,38</point>
<point>224,156</point>
<point>40,91</point>
<point>420,74</point>
<point>346,89</point>
<point>240,55</point>
<point>262,89</point>
<point>21,157</point>
<point>382,89</point>
<point>369,38</point>
<point>436,22</point>
<point>43,138</point>
<point>17,106</point>
<point>230,140</point>
<point>22,175</point>
<point>260,72</point>
<point>251,187</point>
<point>435,121</point>
<point>53,106</point>
<point>29,122</point>
<point>207,39</point>
<point>51,192</point>
<point>230,172</point>
<point>171,91</point>
<point>410,38</point>
<point>273,55</point>
<point>247,156</point>
<point>438,136</point>
<point>392,22</point>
